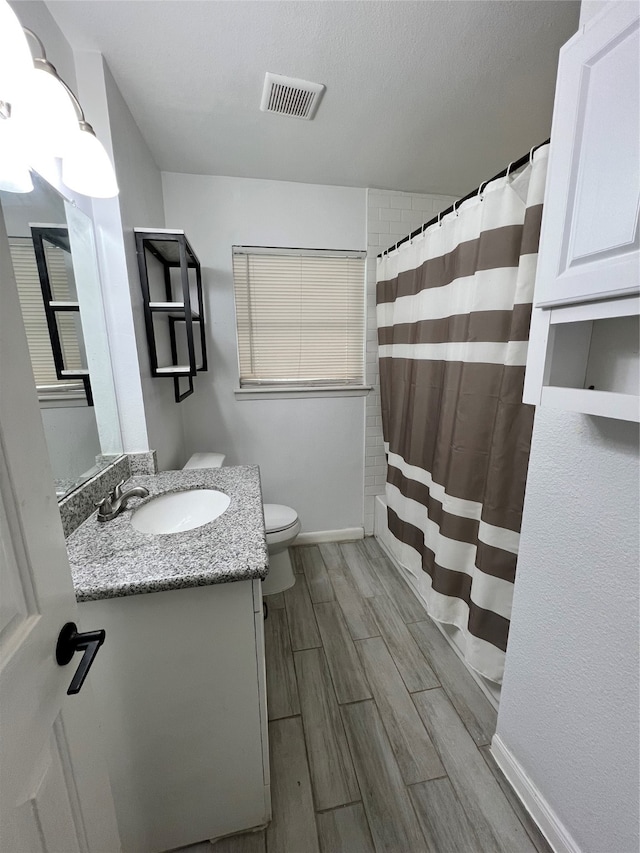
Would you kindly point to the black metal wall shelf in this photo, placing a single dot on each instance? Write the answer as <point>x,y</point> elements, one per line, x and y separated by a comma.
<point>173,251</point>
<point>57,236</point>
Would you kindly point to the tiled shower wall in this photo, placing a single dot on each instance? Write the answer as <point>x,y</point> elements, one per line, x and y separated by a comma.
<point>390,216</point>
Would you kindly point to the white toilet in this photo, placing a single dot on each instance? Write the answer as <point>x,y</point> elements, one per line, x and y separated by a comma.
<point>281,523</point>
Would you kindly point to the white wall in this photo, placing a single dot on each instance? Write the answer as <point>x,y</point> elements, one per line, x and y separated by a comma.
<point>569,707</point>
<point>72,439</point>
<point>20,209</point>
<point>590,8</point>
<point>310,450</point>
<point>141,205</point>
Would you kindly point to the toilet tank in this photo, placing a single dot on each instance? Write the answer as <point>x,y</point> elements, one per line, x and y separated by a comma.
<point>205,460</point>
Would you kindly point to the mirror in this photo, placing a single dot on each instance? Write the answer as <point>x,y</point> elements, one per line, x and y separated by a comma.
<point>55,264</point>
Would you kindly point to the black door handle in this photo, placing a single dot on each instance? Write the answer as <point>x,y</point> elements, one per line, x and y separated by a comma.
<point>70,642</point>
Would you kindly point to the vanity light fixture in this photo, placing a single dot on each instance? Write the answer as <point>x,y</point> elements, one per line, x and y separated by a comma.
<point>40,115</point>
<point>50,122</point>
<point>86,167</point>
<point>15,176</point>
<point>16,63</point>
<point>16,66</point>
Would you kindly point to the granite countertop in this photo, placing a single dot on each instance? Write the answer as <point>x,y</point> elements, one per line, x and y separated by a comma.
<point>112,559</point>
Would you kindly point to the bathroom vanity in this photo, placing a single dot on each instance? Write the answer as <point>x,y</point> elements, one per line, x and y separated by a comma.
<point>180,680</point>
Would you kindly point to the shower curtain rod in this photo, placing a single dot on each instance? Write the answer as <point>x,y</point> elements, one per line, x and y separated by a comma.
<point>512,167</point>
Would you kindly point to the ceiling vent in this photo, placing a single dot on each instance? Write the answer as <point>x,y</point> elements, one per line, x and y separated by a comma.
<point>290,97</point>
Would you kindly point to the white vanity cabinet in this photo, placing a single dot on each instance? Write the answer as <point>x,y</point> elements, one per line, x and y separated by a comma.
<point>180,685</point>
<point>583,351</point>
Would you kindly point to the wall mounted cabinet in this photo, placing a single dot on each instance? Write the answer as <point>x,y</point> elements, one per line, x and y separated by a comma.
<point>583,351</point>
<point>171,281</point>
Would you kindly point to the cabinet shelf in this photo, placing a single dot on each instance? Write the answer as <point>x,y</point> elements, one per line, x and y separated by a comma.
<point>166,306</point>
<point>175,369</point>
<point>608,404</point>
<point>59,305</point>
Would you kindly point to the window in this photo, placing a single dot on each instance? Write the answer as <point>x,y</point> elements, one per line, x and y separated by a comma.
<point>35,321</point>
<point>299,316</point>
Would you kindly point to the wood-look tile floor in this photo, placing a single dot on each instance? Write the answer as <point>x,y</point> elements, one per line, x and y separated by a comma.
<point>378,734</point>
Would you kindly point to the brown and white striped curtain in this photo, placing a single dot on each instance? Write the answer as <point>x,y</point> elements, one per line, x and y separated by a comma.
<point>454,308</point>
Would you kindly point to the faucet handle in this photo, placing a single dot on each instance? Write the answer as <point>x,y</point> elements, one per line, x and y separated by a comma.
<point>116,492</point>
<point>104,507</point>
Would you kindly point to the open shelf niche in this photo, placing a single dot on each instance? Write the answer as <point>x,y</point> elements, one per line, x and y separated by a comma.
<point>591,362</point>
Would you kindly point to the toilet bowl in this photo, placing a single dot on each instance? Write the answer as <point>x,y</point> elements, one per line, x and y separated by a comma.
<point>281,524</point>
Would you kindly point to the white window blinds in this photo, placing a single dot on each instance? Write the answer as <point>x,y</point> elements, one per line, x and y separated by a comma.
<point>299,316</point>
<point>35,321</point>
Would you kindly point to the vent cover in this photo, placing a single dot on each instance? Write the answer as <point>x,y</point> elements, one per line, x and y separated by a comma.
<point>290,97</point>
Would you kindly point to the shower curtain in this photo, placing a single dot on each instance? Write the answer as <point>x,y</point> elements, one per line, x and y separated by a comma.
<point>454,308</point>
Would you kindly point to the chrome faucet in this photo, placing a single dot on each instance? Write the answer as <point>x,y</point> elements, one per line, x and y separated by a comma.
<point>117,500</point>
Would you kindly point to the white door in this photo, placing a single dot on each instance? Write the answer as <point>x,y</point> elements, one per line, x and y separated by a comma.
<point>589,241</point>
<point>54,790</point>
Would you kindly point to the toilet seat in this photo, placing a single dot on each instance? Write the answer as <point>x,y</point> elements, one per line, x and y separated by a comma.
<point>278,518</point>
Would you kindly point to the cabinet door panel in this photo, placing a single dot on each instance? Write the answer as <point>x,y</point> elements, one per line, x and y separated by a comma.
<point>180,713</point>
<point>589,245</point>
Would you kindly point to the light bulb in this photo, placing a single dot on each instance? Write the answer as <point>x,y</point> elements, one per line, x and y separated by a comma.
<point>16,63</point>
<point>15,176</point>
<point>51,117</point>
<point>86,167</point>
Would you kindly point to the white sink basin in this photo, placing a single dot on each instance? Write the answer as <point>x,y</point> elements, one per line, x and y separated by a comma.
<point>175,512</point>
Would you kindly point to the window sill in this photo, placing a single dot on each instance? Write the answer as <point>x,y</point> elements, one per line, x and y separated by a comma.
<point>301,392</point>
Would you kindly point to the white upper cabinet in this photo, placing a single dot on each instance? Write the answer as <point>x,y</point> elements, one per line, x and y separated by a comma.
<point>589,241</point>
<point>583,351</point>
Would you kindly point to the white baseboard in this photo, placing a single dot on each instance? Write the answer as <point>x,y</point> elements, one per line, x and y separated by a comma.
<point>541,812</point>
<point>345,535</point>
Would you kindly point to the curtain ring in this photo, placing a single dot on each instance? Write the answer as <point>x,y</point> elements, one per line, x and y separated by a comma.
<point>480,196</point>
<point>531,153</point>
<point>439,222</point>
<point>509,168</point>
<point>454,207</point>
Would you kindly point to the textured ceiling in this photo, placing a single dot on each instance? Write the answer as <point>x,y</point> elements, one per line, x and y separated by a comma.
<point>421,96</point>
